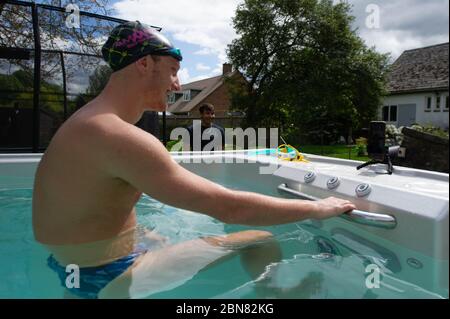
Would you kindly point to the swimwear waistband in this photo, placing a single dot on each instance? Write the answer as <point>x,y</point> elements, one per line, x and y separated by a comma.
<point>96,253</point>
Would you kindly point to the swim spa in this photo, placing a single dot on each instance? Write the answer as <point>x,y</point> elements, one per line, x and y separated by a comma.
<point>394,246</point>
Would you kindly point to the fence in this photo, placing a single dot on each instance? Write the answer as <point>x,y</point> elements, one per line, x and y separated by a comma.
<point>48,70</point>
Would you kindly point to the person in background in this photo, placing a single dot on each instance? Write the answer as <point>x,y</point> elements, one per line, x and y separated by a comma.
<point>209,131</point>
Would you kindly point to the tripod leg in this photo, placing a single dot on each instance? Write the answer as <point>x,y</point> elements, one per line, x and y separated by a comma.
<point>390,166</point>
<point>367,164</point>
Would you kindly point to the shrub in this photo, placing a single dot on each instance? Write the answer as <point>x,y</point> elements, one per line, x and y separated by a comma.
<point>393,135</point>
<point>171,145</point>
<point>431,130</point>
<point>361,146</point>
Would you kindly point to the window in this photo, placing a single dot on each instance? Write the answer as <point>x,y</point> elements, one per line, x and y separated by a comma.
<point>438,102</point>
<point>187,95</point>
<point>446,103</point>
<point>393,115</point>
<point>428,105</point>
<point>386,113</point>
<point>390,113</point>
<point>171,98</point>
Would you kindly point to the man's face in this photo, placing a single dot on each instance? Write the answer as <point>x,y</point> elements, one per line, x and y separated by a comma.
<point>207,117</point>
<point>162,79</point>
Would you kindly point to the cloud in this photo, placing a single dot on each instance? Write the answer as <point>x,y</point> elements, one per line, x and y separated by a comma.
<point>395,41</point>
<point>404,25</point>
<point>185,77</point>
<point>200,22</point>
<point>204,51</point>
<point>202,67</point>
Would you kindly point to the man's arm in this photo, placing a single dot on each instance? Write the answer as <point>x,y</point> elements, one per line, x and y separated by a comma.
<point>141,160</point>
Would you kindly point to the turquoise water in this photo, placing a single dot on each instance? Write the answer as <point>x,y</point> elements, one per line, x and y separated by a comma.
<point>316,262</point>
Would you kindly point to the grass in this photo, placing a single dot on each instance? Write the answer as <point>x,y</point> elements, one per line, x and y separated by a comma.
<point>338,151</point>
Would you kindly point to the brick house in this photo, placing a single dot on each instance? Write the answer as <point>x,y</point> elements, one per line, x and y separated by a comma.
<point>188,100</point>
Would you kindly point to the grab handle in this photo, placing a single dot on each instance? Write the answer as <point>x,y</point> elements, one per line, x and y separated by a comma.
<point>356,216</point>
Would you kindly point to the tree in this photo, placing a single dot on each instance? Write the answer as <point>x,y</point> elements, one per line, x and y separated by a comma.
<point>305,66</point>
<point>97,82</point>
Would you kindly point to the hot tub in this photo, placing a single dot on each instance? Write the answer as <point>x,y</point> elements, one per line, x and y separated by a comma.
<point>394,246</point>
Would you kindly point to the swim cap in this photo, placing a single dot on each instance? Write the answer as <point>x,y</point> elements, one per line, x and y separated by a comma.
<point>130,41</point>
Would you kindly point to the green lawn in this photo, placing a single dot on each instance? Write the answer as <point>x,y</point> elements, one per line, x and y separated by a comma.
<point>338,151</point>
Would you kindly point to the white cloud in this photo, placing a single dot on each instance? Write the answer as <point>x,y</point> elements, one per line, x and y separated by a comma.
<point>185,76</point>
<point>218,69</point>
<point>202,67</point>
<point>201,22</point>
<point>405,24</point>
<point>396,41</point>
<point>204,51</point>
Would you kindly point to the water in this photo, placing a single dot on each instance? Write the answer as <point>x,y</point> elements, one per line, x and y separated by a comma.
<point>315,263</point>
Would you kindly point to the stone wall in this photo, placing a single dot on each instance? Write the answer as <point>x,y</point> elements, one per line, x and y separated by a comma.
<point>424,151</point>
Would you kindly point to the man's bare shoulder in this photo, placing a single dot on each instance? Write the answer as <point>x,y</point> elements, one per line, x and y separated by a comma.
<point>105,129</point>
<point>103,137</point>
<point>116,143</point>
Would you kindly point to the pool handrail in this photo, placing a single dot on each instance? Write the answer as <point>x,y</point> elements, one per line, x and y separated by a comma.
<point>356,216</point>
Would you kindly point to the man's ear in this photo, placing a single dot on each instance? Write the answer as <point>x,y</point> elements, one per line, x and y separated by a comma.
<point>143,64</point>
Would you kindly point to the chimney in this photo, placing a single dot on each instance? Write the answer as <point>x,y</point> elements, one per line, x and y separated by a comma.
<point>227,68</point>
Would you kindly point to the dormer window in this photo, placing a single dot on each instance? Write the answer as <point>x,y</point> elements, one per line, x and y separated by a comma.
<point>187,95</point>
<point>171,99</point>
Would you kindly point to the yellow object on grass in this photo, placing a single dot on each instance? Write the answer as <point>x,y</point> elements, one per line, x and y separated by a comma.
<point>287,152</point>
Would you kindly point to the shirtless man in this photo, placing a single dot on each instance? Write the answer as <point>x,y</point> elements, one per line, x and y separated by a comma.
<point>98,165</point>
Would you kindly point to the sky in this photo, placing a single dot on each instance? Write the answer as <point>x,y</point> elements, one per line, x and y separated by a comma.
<point>203,28</point>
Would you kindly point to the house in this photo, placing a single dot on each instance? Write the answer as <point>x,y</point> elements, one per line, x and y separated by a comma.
<point>212,90</point>
<point>418,88</point>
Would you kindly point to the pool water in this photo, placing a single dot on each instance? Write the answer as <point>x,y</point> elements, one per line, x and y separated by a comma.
<point>315,263</point>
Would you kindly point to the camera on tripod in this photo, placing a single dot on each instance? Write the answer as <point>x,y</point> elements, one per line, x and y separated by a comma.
<point>377,150</point>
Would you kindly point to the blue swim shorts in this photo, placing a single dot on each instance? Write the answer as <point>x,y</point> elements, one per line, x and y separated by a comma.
<point>94,279</point>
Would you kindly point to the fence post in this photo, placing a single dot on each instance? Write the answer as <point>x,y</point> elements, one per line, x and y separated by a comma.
<point>37,78</point>
<point>61,55</point>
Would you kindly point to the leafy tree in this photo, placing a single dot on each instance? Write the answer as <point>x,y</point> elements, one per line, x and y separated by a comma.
<point>307,68</point>
<point>97,82</point>
<point>18,88</point>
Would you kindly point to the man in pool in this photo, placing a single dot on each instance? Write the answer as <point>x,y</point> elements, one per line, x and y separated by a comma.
<point>98,165</point>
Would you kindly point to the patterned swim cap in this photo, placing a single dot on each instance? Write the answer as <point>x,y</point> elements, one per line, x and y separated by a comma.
<point>130,41</point>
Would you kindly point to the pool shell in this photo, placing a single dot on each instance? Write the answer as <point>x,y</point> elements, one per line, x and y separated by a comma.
<point>417,199</point>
